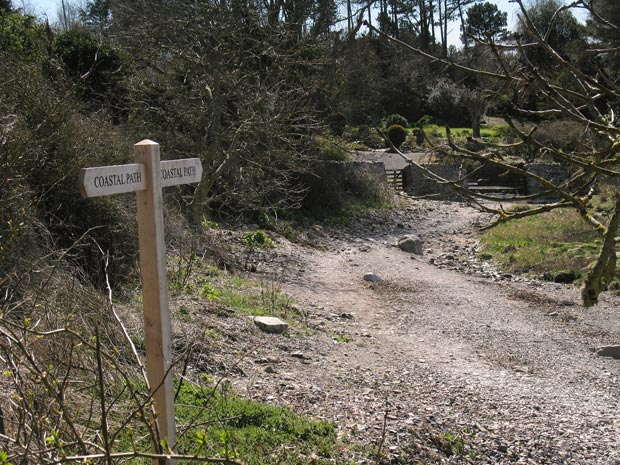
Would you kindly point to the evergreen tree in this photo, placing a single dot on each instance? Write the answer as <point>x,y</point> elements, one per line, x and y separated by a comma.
<point>485,22</point>
<point>604,26</point>
<point>558,27</point>
<point>97,13</point>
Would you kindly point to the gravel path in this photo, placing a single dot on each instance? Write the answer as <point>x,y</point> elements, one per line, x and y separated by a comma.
<point>446,361</point>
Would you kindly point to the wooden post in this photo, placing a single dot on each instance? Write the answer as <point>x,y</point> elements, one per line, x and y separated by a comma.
<point>155,289</point>
<point>146,178</point>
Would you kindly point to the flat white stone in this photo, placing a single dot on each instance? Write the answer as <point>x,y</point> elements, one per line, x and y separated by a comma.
<point>270,324</point>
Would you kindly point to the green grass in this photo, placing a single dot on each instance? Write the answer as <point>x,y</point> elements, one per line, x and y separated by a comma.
<point>489,132</point>
<point>341,338</point>
<point>221,424</point>
<point>254,298</point>
<point>246,296</point>
<point>215,422</point>
<point>543,244</point>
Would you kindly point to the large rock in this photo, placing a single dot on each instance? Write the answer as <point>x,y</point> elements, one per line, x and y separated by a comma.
<point>270,324</point>
<point>411,244</point>
<point>373,278</point>
<point>609,351</point>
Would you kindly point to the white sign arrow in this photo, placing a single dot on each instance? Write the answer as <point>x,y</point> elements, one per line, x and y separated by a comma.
<point>118,179</point>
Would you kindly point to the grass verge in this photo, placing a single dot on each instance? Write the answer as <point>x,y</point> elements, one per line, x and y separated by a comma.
<point>543,245</point>
<point>224,425</point>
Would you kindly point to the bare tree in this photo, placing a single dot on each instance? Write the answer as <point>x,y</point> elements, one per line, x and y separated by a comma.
<point>69,14</point>
<point>241,94</point>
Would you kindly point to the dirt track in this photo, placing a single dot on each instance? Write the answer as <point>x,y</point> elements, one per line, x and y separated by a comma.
<point>506,367</point>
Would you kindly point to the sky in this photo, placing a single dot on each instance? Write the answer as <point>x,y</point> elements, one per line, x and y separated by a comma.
<point>50,8</point>
<point>39,8</point>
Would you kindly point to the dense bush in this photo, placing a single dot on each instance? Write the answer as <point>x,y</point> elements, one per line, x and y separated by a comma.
<point>97,67</point>
<point>21,35</point>
<point>337,123</point>
<point>396,135</point>
<point>327,148</point>
<point>429,119</point>
<point>335,185</point>
<point>397,119</point>
<point>563,135</point>
<point>44,141</point>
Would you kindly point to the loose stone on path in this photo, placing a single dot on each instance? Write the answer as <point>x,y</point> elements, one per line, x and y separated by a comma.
<point>609,351</point>
<point>372,277</point>
<point>270,324</point>
<point>411,244</point>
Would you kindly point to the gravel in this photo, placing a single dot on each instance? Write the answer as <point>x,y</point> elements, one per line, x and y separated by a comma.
<point>446,359</point>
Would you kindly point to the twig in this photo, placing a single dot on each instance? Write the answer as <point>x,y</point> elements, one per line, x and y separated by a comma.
<point>383,427</point>
<point>104,413</point>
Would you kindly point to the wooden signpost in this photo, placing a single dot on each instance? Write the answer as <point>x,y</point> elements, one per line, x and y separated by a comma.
<point>146,178</point>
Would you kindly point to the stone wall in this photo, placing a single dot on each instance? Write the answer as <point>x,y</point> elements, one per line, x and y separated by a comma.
<point>415,181</point>
<point>553,172</point>
<point>333,183</point>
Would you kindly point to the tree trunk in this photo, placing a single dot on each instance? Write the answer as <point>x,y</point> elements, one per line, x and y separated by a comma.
<point>349,17</point>
<point>605,266</point>
<point>424,31</point>
<point>443,26</point>
<point>431,10</point>
<point>462,18</point>
<point>199,203</point>
<point>475,126</point>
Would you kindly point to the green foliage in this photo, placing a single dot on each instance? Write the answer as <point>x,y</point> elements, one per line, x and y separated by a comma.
<point>502,133</point>
<point>429,119</point>
<point>496,134</point>
<point>454,445</point>
<point>95,66</point>
<point>485,22</point>
<point>343,339</point>
<point>264,220</point>
<point>559,27</point>
<point>341,216</point>
<point>209,293</point>
<point>395,118</point>
<point>446,98</point>
<point>257,240</point>
<point>45,141</point>
<point>232,427</point>
<point>97,13</point>
<point>22,36</point>
<point>396,134</point>
<point>607,30</point>
<point>209,225</point>
<point>368,136</point>
<point>329,148</point>
<point>543,245</point>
